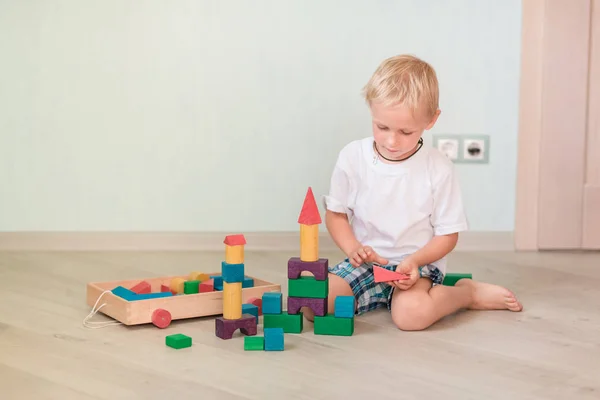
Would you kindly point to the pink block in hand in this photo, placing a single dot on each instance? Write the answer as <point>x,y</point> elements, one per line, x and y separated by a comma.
<point>385,275</point>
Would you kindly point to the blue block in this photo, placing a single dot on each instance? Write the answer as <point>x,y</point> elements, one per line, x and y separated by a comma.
<point>247,282</point>
<point>273,339</point>
<point>344,307</point>
<point>232,273</point>
<point>218,280</point>
<point>271,303</point>
<point>131,296</point>
<point>250,309</point>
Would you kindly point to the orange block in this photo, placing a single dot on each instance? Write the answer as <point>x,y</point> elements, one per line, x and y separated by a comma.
<point>177,285</point>
<point>309,242</point>
<point>198,276</point>
<point>232,300</point>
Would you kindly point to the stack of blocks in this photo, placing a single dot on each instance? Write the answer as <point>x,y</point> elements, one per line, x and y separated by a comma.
<point>310,291</point>
<point>232,273</point>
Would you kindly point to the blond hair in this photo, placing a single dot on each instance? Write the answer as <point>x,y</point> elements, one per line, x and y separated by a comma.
<point>406,80</point>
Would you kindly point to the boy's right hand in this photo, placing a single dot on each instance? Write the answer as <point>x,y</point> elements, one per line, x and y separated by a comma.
<point>365,254</point>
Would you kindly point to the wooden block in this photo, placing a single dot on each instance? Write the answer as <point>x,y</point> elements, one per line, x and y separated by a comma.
<point>234,254</point>
<point>250,309</point>
<point>330,325</point>
<point>319,268</point>
<point>232,300</point>
<point>309,243</point>
<point>247,282</point>
<point>274,339</point>
<point>271,303</point>
<point>142,288</point>
<point>177,285</point>
<point>207,286</point>
<point>191,287</point>
<point>198,276</point>
<point>257,302</point>
<point>451,278</point>
<point>232,273</point>
<point>254,343</point>
<point>318,306</point>
<point>307,286</point>
<point>165,288</point>
<point>131,296</point>
<point>344,307</point>
<point>178,341</point>
<point>290,323</point>
<point>381,274</point>
<point>224,328</point>
<point>161,318</point>
<point>309,215</point>
<point>234,249</point>
<point>218,283</point>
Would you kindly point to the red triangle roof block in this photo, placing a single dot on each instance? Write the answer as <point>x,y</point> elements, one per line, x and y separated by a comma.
<point>235,240</point>
<point>310,212</point>
<point>385,275</point>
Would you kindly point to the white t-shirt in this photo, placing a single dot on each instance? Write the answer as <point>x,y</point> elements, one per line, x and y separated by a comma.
<point>396,208</point>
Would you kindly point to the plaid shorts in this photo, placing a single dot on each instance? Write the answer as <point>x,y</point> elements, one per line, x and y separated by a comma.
<point>369,294</point>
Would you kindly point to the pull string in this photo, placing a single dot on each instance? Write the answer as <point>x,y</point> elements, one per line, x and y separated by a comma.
<point>98,324</point>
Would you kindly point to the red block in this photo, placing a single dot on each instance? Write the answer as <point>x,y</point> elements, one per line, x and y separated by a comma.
<point>235,240</point>
<point>165,288</point>
<point>224,328</point>
<point>207,286</point>
<point>257,302</point>
<point>385,275</point>
<point>309,215</point>
<point>142,288</point>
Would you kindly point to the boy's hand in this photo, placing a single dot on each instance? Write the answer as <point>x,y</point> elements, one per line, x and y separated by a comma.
<point>364,255</point>
<point>410,269</point>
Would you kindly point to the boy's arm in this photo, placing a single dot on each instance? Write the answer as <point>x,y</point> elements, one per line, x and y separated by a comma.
<point>341,232</point>
<point>437,248</point>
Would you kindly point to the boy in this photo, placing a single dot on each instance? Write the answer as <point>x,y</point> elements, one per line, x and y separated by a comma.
<point>405,207</point>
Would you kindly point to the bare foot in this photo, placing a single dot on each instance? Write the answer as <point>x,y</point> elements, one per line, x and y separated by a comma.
<point>491,297</point>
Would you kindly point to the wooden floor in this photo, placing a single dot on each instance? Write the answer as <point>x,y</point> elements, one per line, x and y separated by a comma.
<point>549,351</point>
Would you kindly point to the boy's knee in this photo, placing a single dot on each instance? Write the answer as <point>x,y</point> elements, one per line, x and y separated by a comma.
<point>412,313</point>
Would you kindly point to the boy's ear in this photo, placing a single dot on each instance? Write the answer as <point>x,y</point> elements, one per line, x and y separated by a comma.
<point>433,119</point>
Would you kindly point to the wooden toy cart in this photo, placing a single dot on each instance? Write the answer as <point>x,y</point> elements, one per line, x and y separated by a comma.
<point>170,308</point>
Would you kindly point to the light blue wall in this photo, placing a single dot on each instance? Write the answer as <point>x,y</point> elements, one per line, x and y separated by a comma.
<point>123,115</point>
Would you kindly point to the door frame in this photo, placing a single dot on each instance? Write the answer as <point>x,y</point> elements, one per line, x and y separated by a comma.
<point>558,160</point>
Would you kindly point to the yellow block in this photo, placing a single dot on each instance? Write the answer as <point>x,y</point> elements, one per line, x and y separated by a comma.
<point>234,254</point>
<point>198,276</point>
<point>177,285</point>
<point>309,242</point>
<point>232,300</point>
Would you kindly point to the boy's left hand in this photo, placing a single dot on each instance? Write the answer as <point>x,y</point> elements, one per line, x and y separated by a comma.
<point>409,268</point>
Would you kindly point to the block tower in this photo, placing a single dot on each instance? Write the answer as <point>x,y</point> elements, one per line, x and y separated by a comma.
<point>309,290</point>
<point>232,273</point>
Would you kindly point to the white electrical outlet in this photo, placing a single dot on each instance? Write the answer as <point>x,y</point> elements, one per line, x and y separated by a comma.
<point>475,149</point>
<point>449,145</point>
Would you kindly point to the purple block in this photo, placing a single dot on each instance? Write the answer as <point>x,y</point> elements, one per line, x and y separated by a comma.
<point>224,328</point>
<point>318,268</point>
<point>318,306</point>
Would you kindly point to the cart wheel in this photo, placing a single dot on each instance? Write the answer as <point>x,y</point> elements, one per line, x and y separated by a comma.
<point>161,318</point>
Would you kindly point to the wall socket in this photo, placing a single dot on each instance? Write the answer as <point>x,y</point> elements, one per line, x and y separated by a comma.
<point>464,149</point>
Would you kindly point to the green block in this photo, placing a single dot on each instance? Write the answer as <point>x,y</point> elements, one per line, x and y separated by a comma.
<point>191,287</point>
<point>451,279</point>
<point>178,341</point>
<point>330,325</point>
<point>254,343</point>
<point>289,323</point>
<point>308,286</point>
